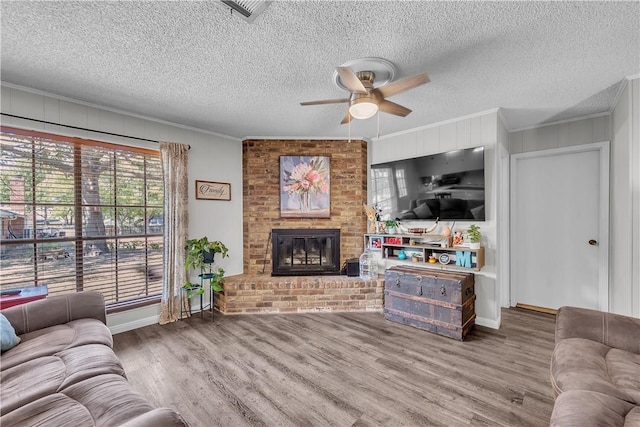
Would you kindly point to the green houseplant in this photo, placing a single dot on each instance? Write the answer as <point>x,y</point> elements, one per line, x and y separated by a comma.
<point>198,254</point>
<point>391,225</point>
<point>475,236</point>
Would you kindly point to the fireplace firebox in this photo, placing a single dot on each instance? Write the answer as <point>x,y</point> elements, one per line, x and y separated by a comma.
<point>305,252</point>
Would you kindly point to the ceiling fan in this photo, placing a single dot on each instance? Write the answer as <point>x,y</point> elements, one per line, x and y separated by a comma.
<point>365,99</point>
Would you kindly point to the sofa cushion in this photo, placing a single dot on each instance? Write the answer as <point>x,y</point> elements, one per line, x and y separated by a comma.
<point>49,341</point>
<point>56,310</point>
<point>52,410</point>
<point>423,211</point>
<point>633,418</point>
<point>624,370</point>
<point>611,329</point>
<point>582,364</point>
<point>30,381</point>
<point>408,215</point>
<point>579,408</point>
<point>477,212</point>
<point>8,337</point>
<point>453,208</point>
<point>103,400</point>
<point>109,398</point>
<point>39,377</point>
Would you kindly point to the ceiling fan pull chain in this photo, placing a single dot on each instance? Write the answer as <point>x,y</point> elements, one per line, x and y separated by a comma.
<point>378,114</point>
<point>349,129</point>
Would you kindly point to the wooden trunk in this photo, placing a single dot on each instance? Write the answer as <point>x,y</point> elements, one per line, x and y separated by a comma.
<point>437,301</point>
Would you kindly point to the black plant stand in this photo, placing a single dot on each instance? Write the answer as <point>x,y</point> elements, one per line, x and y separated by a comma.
<point>205,275</point>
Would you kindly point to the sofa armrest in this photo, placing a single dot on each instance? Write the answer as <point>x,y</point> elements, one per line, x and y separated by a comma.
<point>159,417</point>
<point>611,329</point>
<point>56,310</point>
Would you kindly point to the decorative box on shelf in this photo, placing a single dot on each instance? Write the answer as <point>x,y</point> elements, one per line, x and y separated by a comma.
<point>435,251</point>
<point>392,240</point>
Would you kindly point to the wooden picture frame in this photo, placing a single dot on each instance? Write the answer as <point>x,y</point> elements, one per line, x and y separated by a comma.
<point>305,187</point>
<point>211,190</point>
<point>375,243</point>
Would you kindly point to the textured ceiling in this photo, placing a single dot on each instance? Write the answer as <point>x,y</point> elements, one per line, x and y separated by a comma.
<point>191,62</point>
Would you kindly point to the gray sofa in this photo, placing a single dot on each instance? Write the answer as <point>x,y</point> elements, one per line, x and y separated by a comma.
<point>64,371</point>
<point>595,369</point>
<point>448,208</point>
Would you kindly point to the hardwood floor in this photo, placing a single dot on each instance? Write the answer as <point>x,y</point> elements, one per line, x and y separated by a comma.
<point>343,369</point>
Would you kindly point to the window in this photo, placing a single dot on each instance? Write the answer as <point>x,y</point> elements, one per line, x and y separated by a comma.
<point>80,215</point>
<point>401,182</point>
<point>382,181</point>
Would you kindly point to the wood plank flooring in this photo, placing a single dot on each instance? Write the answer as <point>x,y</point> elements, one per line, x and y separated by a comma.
<point>343,369</point>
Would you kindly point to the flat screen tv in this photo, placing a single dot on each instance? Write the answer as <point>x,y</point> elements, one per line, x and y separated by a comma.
<point>449,186</point>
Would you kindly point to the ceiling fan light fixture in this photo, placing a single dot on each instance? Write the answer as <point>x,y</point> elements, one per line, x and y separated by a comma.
<point>246,9</point>
<point>363,109</point>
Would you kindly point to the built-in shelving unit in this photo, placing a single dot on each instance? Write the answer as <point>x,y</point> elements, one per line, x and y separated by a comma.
<point>417,249</point>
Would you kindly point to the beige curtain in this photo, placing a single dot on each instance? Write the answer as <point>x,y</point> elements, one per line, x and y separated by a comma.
<point>176,222</point>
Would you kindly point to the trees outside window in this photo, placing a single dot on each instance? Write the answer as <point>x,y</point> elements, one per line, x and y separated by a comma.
<point>75,215</point>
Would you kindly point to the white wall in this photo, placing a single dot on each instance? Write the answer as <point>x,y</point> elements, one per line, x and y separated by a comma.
<point>576,132</point>
<point>503,213</point>
<point>212,158</point>
<point>464,132</point>
<point>624,289</point>
<point>621,128</point>
<point>635,193</point>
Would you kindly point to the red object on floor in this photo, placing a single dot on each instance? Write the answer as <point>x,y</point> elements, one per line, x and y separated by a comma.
<point>27,294</point>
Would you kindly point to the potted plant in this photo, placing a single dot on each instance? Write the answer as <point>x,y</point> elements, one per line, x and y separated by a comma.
<point>475,236</point>
<point>391,225</point>
<point>199,253</point>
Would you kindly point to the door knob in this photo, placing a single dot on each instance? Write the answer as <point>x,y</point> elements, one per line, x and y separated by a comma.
<point>593,242</point>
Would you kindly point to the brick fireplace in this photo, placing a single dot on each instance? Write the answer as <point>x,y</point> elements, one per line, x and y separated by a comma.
<point>305,251</point>
<point>256,290</point>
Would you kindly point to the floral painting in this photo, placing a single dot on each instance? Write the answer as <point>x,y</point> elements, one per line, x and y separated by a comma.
<point>304,187</point>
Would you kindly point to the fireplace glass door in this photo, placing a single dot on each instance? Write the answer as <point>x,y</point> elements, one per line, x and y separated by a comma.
<point>305,252</point>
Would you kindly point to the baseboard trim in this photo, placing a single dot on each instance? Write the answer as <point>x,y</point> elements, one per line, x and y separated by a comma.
<point>152,320</point>
<point>138,323</point>
<point>537,308</point>
<point>493,324</point>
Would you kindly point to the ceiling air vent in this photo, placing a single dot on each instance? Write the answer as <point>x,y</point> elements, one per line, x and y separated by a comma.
<point>247,10</point>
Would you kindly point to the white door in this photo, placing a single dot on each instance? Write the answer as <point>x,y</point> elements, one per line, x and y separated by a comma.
<point>559,227</point>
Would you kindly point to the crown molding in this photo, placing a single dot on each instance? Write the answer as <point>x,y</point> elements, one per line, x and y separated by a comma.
<point>303,138</point>
<point>503,119</point>
<point>115,110</point>
<point>574,119</point>
<point>621,88</point>
<point>442,123</point>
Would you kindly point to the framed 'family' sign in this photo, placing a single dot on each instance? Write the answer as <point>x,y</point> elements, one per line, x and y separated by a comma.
<point>207,190</point>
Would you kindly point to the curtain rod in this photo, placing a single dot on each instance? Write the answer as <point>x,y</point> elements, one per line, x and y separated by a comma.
<point>81,128</point>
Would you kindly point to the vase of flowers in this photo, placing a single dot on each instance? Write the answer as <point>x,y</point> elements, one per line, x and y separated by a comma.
<point>305,180</point>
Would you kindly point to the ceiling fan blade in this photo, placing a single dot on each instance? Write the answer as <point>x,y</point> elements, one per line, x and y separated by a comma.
<point>346,119</point>
<point>326,101</point>
<point>350,80</point>
<point>403,84</point>
<point>393,108</point>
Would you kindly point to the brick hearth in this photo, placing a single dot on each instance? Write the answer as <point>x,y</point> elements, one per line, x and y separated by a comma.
<point>266,294</point>
<point>256,291</point>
